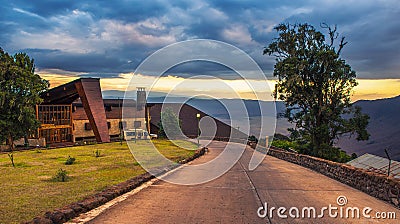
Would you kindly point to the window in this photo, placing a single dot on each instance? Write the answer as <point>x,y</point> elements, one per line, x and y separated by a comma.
<point>108,125</point>
<point>88,127</point>
<point>54,114</point>
<point>108,108</point>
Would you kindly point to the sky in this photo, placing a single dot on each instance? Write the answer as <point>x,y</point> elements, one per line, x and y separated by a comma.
<point>109,39</point>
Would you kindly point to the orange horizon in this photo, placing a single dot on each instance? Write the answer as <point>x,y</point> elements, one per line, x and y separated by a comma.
<point>367,89</point>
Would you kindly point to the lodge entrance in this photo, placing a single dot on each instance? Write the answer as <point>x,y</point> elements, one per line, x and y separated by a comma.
<point>56,135</point>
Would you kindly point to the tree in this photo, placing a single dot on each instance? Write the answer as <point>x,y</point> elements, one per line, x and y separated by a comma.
<point>252,138</point>
<point>20,90</point>
<point>316,85</point>
<point>169,125</point>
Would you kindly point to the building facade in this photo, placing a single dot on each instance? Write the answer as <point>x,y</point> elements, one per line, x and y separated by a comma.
<point>116,123</point>
<point>76,111</point>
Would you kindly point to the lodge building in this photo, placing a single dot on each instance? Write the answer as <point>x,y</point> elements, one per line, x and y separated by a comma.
<point>76,111</point>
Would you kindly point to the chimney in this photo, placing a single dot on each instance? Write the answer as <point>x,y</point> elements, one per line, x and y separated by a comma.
<point>140,98</point>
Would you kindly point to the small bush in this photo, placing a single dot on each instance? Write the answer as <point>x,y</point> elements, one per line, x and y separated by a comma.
<point>70,160</point>
<point>61,175</point>
<point>284,144</point>
<point>97,153</point>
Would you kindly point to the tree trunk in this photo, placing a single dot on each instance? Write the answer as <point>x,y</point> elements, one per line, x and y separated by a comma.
<point>26,142</point>
<point>10,142</point>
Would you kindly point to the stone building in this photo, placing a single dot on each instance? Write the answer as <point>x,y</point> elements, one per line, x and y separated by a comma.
<point>76,111</point>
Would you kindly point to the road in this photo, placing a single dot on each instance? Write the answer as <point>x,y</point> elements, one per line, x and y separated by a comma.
<point>236,197</point>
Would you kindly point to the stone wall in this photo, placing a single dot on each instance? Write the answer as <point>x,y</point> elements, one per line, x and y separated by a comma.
<point>375,184</point>
<point>32,142</point>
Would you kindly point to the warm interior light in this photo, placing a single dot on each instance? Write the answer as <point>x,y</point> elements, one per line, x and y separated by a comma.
<point>198,115</point>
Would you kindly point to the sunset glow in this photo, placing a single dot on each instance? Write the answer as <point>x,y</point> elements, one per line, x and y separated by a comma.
<point>367,89</point>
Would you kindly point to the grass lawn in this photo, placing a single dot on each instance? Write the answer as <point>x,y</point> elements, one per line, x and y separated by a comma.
<point>28,190</point>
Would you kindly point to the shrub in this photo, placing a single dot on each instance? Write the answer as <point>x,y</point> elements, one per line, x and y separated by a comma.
<point>252,139</point>
<point>61,175</point>
<point>284,144</point>
<point>70,160</point>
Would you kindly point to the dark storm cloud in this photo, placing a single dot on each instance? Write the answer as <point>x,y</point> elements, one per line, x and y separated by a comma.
<point>111,37</point>
<point>75,62</point>
<point>198,68</point>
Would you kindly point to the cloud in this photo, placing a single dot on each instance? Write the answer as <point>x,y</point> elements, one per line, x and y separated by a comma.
<point>28,13</point>
<point>108,38</point>
<point>238,34</point>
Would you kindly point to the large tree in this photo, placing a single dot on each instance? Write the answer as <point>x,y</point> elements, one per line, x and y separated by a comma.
<point>20,90</point>
<point>316,84</point>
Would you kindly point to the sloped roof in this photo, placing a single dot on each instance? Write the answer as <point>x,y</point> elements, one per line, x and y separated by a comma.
<point>89,91</point>
<point>377,164</point>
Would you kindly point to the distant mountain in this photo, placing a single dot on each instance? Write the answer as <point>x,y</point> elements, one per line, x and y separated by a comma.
<point>384,127</point>
<point>115,94</point>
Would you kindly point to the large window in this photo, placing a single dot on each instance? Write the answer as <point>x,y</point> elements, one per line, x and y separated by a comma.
<point>54,114</point>
<point>56,123</point>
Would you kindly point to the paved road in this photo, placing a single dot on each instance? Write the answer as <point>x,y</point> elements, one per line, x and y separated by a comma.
<point>236,196</point>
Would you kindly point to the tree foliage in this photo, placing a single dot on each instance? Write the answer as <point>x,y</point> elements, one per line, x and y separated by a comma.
<point>169,125</point>
<point>20,90</point>
<point>316,84</point>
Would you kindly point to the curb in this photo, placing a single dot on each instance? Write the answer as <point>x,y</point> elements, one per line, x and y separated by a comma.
<point>73,210</point>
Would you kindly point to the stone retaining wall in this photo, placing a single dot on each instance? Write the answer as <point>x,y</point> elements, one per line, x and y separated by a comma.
<point>375,184</point>
<point>75,209</point>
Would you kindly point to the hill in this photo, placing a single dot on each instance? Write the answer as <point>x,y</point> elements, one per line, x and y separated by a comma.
<point>383,126</point>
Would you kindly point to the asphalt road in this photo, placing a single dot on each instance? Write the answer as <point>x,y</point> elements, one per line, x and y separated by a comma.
<point>237,197</point>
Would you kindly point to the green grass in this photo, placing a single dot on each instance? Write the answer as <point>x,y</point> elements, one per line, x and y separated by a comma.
<point>28,190</point>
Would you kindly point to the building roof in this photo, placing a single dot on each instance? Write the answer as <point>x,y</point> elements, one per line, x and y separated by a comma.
<point>89,91</point>
<point>377,164</point>
<point>66,93</point>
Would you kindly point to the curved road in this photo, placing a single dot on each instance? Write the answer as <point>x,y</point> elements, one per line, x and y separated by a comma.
<point>237,197</point>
